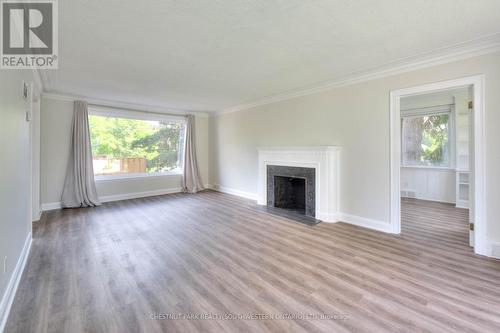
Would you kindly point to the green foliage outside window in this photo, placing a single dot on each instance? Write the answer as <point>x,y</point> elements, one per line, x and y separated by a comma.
<point>158,142</point>
<point>425,140</point>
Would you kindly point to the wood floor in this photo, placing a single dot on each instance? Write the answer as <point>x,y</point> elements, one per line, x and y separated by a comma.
<point>125,266</point>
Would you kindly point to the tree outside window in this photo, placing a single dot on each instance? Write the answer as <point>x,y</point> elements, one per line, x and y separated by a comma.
<point>425,140</point>
<point>131,146</point>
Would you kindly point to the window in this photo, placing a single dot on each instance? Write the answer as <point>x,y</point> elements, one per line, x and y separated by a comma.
<point>135,143</point>
<point>426,139</point>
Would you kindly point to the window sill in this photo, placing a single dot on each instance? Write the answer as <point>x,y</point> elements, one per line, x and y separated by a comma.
<point>427,167</point>
<point>134,176</point>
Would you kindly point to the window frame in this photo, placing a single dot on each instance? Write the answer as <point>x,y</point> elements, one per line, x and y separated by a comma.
<point>432,111</point>
<point>110,112</point>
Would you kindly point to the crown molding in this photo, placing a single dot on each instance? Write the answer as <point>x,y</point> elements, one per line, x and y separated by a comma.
<point>460,51</point>
<point>122,105</point>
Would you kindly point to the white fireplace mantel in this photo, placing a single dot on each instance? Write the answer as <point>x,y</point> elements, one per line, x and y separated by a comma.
<point>325,159</point>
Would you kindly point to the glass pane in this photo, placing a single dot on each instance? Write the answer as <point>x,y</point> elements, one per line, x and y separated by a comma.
<point>425,140</point>
<point>130,146</point>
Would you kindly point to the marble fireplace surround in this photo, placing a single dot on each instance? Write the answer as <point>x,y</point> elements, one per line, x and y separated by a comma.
<point>325,161</point>
<point>306,174</point>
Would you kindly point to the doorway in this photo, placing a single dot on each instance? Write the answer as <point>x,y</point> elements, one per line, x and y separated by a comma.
<point>435,156</point>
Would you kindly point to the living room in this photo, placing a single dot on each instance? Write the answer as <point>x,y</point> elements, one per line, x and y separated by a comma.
<point>259,166</point>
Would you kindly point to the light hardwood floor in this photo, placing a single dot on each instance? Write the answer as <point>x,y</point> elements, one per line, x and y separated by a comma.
<point>107,269</point>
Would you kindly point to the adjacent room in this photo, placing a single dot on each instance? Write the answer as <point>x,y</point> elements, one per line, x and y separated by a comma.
<point>250,166</point>
<point>436,180</point>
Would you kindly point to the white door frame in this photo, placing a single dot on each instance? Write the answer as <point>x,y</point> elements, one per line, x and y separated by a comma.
<point>478,165</point>
<point>35,105</point>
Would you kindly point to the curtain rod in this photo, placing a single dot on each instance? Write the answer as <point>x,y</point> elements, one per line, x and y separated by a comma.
<point>126,106</point>
<point>138,110</point>
<point>428,107</point>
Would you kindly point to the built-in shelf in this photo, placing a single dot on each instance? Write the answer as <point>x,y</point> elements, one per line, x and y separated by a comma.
<point>462,140</point>
<point>463,177</point>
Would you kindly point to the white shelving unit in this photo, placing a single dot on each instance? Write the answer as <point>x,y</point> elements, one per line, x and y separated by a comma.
<point>462,133</point>
<point>463,189</point>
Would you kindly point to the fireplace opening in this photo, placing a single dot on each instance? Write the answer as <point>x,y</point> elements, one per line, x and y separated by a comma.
<point>290,193</point>
<point>292,190</point>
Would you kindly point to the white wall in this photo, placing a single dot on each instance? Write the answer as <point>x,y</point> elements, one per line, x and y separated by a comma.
<point>429,183</point>
<point>56,117</point>
<point>15,223</point>
<point>355,117</point>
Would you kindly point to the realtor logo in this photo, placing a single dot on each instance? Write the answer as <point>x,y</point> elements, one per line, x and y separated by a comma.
<point>29,34</point>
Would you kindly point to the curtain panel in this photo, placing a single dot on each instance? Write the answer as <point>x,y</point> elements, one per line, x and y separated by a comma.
<point>79,185</point>
<point>191,180</point>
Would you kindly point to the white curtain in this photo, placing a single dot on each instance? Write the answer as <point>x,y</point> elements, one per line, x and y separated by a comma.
<point>191,181</point>
<point>79,185</point>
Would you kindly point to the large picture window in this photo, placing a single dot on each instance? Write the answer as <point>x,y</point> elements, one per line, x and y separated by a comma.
<point>126,146</point>
<point>426,140</point>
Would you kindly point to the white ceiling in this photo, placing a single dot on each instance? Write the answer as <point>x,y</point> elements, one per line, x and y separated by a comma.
<point>213,55</point>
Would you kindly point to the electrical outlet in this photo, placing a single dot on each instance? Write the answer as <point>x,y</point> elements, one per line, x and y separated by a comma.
<point>5,264</point>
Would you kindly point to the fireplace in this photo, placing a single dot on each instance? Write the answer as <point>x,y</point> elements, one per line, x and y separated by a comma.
<point>316,166</point>
<point>292,188</point>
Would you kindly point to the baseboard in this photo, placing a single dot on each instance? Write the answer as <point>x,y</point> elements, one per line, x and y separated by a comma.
<point>494,249</point>
<point>429,199</point>
<point>328,218</point>
<point>10,291</point>
<point>51,206</point>
<point>223,189</point>
<point>136,195</point>
<point>37,217</point>
<point>118,197</point>
<point>462,206</point>
<point>366,222</point>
